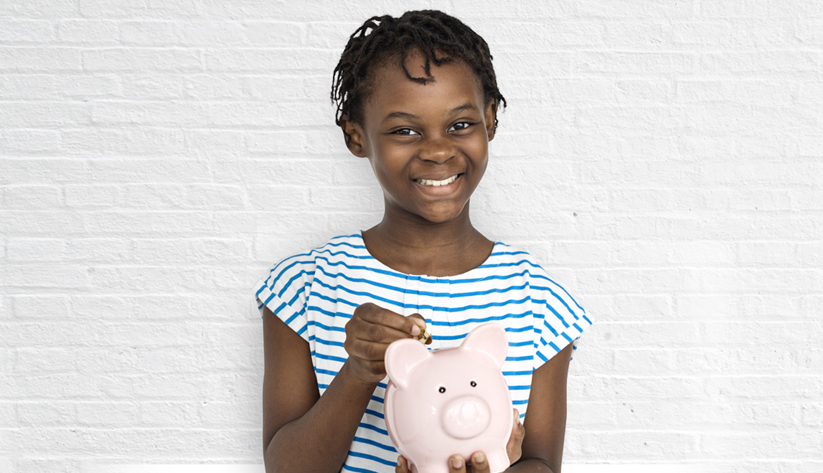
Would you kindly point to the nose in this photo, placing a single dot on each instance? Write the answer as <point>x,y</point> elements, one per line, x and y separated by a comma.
<point>437,150</point>
<point>465,417</point>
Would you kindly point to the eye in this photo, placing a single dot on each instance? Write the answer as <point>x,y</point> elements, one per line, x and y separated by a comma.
<point>405,131</point>
<point>474,384</point>
<point>460,126</point>
<point>442,389</point>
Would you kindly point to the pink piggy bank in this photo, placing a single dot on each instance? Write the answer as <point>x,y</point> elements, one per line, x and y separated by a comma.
<point>450,401</point>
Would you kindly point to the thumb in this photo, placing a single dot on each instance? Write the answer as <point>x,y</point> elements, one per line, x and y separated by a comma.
<point>424,336</point>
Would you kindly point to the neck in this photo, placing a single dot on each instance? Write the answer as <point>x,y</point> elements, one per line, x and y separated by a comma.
<point>415,246</point>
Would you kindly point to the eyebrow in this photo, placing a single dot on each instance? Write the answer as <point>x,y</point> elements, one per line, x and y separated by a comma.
<point>415,118</point>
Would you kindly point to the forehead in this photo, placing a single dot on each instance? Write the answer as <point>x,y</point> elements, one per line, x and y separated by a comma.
<point>451,84</point>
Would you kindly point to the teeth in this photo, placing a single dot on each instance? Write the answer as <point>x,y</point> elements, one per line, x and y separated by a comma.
<point>444,182</point>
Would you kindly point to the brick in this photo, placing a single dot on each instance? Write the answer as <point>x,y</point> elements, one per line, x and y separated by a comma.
<point>29,141</point>
<point>84,31</point>
<point>111,360</point>
<point>645,36</point>
<point>111,414</point>
<point>45,276</point>
<point>149,33</point>
<point>32,197</point>
<point>39,413</point>
<point>114,8</point>
<point>166,413</point>
<point>28,86</point>
<point>100,250</point>
<point>140,223</point>
<point>39,59</point>
<point>45,360</point>
<point>142,59</point>
<point>639,62</point>
<point>334,198</point>
<point>152,86</point>
<point>297,88</point>
<point>92,196</point>
<point>26,31</point>
<point>742,64</point>
<point>809,31</point>
<point>89,142</point>
<point>44,114</point>
<point>627,445</point>
<point>157,250</point>
<point>734,34</point>
<point>228,415</point>
<point>84,86</point>
<point>756,9</point>
<point>8,416</point>
<point>34,170</point>
<point>215,197</point>
<point>154,196</point>
<point>151,170</point>
<point>739,91</point>
<point>214,86</point>
<point>269,61</point>
<point>28,249</point>
<point>39,9</point>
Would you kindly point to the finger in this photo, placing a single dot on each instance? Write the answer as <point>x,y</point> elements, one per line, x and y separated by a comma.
<point>519,431</point>
<point>379,333</point>
<point>396,326</point>
<point>480,464</point>
<point>424,336</point>
<point>515,444</point>
<point>402,465</point>
<point>457,464</point>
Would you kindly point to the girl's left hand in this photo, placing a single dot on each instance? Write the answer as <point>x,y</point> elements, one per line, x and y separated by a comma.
<point>457,464</point>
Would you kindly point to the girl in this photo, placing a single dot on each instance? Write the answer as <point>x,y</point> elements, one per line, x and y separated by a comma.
<point>417,96</point>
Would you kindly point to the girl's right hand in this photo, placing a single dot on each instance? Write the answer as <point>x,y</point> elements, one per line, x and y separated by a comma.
<point>368,335</point>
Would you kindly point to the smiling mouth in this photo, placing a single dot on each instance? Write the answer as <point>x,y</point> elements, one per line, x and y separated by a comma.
<point>433,183</point>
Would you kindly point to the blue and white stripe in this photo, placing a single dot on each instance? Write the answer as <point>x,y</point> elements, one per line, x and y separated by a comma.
<point>315,294</point>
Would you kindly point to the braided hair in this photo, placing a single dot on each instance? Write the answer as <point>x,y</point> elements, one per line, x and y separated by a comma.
<point>382,38</point>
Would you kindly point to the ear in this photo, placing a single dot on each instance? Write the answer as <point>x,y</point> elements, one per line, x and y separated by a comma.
<point>490,115</point>
<point>401,358</point>
<point>354,137</point>
<point>490,339</point>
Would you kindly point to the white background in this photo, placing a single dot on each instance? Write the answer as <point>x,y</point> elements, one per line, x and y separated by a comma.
<point>663,159</point>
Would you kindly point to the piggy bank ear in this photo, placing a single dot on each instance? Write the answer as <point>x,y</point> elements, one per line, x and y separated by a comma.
<point>490,339</point>
<point>401,358</point>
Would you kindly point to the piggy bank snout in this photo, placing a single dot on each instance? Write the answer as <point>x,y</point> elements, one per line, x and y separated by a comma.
<point>465,417</point>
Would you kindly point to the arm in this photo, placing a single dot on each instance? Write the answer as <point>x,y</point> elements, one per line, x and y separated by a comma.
<point>545,421</point>
<point>303,431</point>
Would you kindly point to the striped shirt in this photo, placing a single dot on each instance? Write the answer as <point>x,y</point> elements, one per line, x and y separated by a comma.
<point>315,293</point>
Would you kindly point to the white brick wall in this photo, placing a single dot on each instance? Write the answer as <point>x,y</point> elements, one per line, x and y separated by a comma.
<point>663,158</point>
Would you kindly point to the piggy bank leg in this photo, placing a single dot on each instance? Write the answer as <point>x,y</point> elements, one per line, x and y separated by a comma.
<point>498,460</point>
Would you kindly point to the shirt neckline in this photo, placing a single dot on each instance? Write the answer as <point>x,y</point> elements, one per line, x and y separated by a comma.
<point>383,267</point>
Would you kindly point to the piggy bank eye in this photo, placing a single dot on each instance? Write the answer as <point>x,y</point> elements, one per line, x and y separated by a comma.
<point>442,389</point>
<point>474,384</point>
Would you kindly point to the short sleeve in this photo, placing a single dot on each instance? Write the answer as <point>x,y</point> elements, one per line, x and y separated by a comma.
<point>285,289</point>
<point>558,320</point>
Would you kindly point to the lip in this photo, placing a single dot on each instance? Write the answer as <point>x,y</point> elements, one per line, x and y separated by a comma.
<point>440,191</point>
<point>439,176</point>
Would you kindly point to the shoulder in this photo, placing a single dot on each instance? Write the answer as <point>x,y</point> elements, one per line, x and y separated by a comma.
<point>302,266</point>
<point>542,282</point>
<point>339,247</point>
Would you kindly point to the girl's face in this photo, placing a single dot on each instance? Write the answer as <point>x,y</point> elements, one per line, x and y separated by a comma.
<point>427,144</point>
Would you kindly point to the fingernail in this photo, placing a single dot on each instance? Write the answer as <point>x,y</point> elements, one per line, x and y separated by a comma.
<point>398,460</point>
<point>456,463</point>
<point>478,458</point>
<point>416,332</point>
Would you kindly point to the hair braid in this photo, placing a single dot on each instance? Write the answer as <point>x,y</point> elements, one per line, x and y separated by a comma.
<point>429,31</point>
